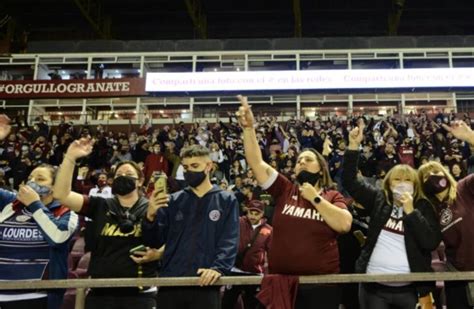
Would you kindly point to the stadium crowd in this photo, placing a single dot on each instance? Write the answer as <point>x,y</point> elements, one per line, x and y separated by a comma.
<point>103,170</point>
<point>411,139</point>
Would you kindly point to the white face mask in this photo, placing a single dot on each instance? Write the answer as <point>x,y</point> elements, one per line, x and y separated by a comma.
<point>401,188</point>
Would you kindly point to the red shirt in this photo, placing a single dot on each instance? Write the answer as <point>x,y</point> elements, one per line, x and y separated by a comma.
<point>407,155</point>
<point>303,244</point>
<point>155,162</point>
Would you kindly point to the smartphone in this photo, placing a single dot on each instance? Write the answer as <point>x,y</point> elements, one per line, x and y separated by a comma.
<point>360,237</point>
<point>160,181</point>
<point>137,249</point>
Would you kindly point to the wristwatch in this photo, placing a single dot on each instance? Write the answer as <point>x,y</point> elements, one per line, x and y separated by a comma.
<point>317,200</point>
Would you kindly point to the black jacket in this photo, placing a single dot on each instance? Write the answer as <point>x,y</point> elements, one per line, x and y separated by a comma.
<point>422,231</point>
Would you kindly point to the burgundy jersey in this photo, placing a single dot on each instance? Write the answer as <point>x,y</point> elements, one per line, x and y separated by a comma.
<point>303,243</point>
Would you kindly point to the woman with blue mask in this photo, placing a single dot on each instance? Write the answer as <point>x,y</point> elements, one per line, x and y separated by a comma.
<point>36,230</point>
<point>403,231</point>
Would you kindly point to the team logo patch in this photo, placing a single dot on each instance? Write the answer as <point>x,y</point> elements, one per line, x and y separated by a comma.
<point>446,216</point>
<point>22,218</point>
<point>215,215</point>
<point>179,216</point>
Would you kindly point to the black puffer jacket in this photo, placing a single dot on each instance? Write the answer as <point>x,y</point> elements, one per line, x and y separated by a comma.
<point>422,231</point>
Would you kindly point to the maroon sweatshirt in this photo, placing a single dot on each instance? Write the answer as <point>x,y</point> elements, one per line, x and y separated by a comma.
<point>457,226</point>
<point>254,259</point>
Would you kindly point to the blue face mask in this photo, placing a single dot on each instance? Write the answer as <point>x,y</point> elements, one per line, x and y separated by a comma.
<point>40,189</point>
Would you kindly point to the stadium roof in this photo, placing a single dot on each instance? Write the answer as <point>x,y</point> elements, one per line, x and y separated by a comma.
<point>220,19</point>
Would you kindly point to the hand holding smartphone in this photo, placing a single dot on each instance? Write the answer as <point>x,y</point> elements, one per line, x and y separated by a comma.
<point>136,249</point>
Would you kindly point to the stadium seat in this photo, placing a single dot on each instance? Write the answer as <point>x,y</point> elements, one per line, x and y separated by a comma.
<point>77,251</point>
<point>82,266</point>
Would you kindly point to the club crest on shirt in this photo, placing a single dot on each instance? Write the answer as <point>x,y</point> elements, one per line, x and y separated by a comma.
<point>22,218</point>
<point>446,216</point>
<point>25,216</point>
<point>215,215</point>
<point>179,216</point>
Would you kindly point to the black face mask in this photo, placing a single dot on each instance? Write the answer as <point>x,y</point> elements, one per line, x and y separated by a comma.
<point>194,179</point>
<point>311,178</point>
<point>123,185</point>
<point>435,184</point>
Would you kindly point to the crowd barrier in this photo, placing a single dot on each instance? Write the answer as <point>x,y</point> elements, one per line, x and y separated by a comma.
<point>82,284</point>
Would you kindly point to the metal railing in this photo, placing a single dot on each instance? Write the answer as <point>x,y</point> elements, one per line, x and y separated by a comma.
<point>82,284</point>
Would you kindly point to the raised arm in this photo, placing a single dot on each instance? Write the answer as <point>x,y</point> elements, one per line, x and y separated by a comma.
<point>62,186</point>
<point>253,155</point>
<point>462,131</point>
<point>362,192</point>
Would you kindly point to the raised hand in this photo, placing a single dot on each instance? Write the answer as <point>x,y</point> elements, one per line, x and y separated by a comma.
<point>244,114</point>
<point>80,148</point>
<point>356,135</point>
<point>355,138</point>
<point>4,126</point>
<point>461,130</point>
<point>327,147</point>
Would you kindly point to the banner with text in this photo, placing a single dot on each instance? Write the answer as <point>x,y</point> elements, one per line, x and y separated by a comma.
<point>77,88</point>
<point>310,80</point>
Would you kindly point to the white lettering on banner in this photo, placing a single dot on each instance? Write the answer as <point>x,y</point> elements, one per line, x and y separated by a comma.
<point>301,212</point>
<point>22,234</point>
<point>80,88</point>
<point>65,88</point>
<point>28,88</point>
<point>310,79</point>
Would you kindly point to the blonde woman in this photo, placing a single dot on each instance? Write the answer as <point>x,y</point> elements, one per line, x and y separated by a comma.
<point>403,231</point>
<point>453,202</point>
